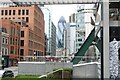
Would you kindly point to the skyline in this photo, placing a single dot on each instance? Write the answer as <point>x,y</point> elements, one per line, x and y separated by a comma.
<point>61,10</point>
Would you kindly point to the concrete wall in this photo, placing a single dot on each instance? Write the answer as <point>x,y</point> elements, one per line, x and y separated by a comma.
<point>87,70</point>
<point>40,68</point>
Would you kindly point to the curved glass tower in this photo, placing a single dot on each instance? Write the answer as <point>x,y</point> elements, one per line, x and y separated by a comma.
<point>60,32</point>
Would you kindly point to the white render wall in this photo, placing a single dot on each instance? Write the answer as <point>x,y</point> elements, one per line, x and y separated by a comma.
<point>72,38</point>
<point>88,26</point>
<point>86,70</point>
<point>40,68</point>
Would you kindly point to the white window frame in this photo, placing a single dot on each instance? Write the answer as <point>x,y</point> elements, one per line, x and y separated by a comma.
<point>3,50</point>
<point>3,40</point>
<point>6,40</point>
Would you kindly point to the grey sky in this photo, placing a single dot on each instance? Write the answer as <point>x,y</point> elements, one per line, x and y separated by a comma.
<point>61,10</point>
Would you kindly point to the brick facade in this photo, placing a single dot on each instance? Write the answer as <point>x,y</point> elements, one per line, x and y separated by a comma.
<point>31,20</point>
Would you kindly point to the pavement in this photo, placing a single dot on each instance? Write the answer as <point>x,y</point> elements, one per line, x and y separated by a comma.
<point>1,72</point>
<point>12,68</point>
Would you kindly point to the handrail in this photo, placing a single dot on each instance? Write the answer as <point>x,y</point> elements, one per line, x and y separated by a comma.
<point>45,75</point>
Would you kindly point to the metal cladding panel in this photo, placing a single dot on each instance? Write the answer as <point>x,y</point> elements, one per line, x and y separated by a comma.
<point>50,2</point>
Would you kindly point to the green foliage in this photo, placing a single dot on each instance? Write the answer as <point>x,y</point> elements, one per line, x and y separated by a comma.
<point>66,69</point>
<point>27,76</point>
<point>28,79</point>
<point>65,73</point>
<point>32,79</point>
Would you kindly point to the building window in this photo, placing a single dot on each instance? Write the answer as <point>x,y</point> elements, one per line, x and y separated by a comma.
<point>3,40</point>
<point>22,42</point>
<point>80,44</point>
<point>27,19</point>
<point>23,12</point>
<point>10,40</point>
<point>79,39</point>
<point>26,25</point>
<point>27,12</point>
<point>22,18</point>
<point>13,12</point>
<point>9,12</point>
<point>15,50</point>
<point>11,50</point>
<point>2,12</point>
<point>11,30</point>
<point>6,51</point>
<point>22,33</point>
<point>13,41</point>
<point>21,52</point>
<point>16,41</point>
<point>3,50</point>
<point>19,23</point>
<point>6,40</point>
<point>18,17</point>
<point>6,12</point>
<point>30,53</point>
<point>19,12</point>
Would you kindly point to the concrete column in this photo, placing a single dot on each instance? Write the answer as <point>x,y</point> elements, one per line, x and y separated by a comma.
<point>105,17</point>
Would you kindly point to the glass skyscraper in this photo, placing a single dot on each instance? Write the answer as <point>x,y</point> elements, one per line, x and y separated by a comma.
<point>60,32</point>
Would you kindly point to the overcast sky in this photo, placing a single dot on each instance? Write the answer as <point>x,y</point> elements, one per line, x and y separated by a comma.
<point>61,10</point>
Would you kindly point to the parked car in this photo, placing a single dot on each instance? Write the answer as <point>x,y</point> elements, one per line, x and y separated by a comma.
<point>8,73</point>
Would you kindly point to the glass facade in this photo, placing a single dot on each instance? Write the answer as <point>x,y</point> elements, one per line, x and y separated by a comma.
<point>60,32</point>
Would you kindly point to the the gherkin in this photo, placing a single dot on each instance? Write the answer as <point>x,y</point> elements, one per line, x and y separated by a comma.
<point>60,32</point>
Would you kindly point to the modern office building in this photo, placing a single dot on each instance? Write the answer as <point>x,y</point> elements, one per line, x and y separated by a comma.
<point>72,38</point>
<point>60,32</point>
<point>47,20</point>
<point>53,40</point>
<point>69,41</point>
<point>72,33</point>
<point>83,23</point>
<point>80,27</point>
<point>72,18</point>
<point>46,45</point>
<point>50,31</point>
<point>31,19</point>
<point>13,51</point>
<point>88,11</point>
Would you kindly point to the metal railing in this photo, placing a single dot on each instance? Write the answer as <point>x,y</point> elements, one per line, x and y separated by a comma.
<point>46,75</point>
<point>85,59</point>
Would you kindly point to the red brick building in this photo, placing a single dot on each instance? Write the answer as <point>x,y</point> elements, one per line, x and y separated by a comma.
<point>31,19</point>
<point>13,29</point>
